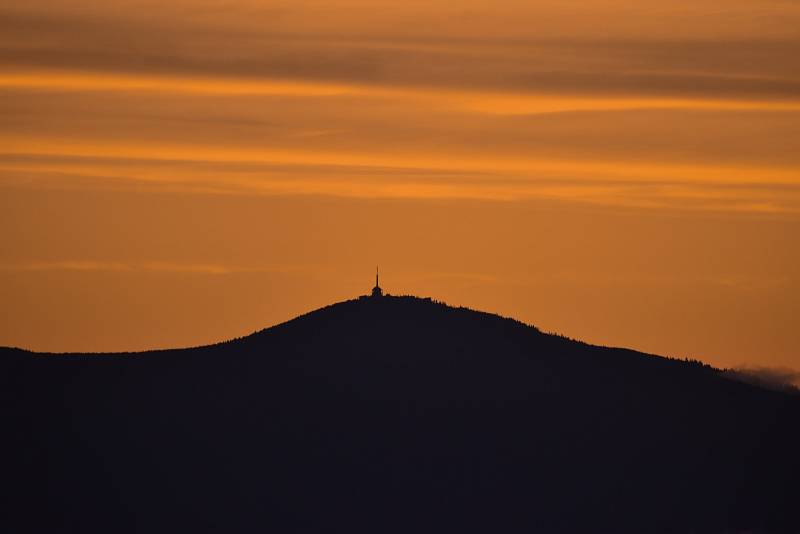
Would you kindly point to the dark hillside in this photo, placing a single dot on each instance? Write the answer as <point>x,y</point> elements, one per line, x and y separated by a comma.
<point>393,414</point>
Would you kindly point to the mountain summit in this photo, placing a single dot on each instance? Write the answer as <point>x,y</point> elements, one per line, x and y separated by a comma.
<point>393,414</point>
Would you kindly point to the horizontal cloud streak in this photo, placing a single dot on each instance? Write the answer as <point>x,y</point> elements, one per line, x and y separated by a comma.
<point>619,183</point>
<point>284,44</point>
<point>139,267</point>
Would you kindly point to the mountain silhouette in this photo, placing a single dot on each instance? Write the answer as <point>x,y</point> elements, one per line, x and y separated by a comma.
<point>393,414</point>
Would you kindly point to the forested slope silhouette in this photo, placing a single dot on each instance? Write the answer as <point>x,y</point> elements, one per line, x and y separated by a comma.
<point>393,414</point>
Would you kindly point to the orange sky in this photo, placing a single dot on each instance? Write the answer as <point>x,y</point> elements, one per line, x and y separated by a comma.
<point>619,171</point>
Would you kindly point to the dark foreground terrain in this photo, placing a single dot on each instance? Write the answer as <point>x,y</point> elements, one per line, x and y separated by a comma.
<point>392,415</point>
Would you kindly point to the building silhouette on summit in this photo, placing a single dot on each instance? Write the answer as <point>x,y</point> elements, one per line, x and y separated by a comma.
<point>377,292</point>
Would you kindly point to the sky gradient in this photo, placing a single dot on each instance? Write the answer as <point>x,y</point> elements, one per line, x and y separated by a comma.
<point>622,172</point>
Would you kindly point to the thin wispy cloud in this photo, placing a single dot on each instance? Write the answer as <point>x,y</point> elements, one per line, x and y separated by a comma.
<point>140,267</point>
<point>376,175</point>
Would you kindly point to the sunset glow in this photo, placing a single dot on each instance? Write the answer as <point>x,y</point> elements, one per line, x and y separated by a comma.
<point>622,172</point>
